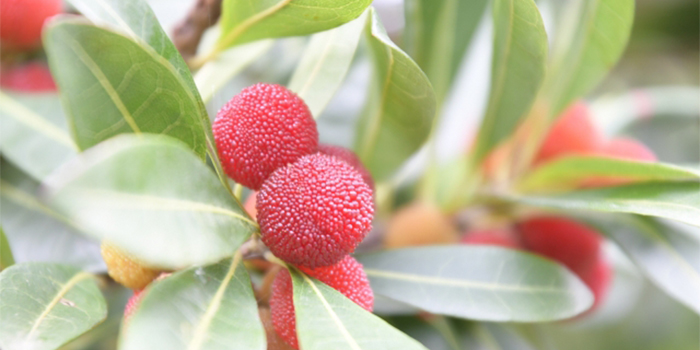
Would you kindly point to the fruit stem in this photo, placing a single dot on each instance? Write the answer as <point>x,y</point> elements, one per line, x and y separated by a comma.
<point>237,191</point>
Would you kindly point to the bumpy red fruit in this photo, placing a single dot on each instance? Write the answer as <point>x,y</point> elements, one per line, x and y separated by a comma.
<point>263,128</point>
<point>491,237</point>
<point>315,211</point>
<point>31,77</point>
<point>573,133</point>
<point>21,21</point>
<point>566,241</point>
<point>132,304</point>
<point>625,148</point>
<point>598,280</point>
<point>349,157</point>
<point>347,277</point>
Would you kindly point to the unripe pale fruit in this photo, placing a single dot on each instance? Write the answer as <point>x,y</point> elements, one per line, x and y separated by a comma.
<point>21,21</point>
<point>125,270</point>
<point>249,205</point>
<point>349,157</point>
<point>347,277</point>
<point>314,212</point>
<point>572,133</point>
<point>493,237</point>
<point>263,128</point>
<point>30,77</point>
<point>573,244</point>
<point>418,224</point>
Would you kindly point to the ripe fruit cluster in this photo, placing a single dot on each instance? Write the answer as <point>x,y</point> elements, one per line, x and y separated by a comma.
<point>314,202</point>
<point>21,22</point>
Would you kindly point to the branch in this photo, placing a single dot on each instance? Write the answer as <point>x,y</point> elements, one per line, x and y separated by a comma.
<point>188,33</point>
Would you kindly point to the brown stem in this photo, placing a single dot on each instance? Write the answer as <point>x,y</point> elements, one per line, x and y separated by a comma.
<point>188,33</point>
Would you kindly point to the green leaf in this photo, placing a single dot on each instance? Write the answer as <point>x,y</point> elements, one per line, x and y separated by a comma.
<point>211,307</point>
<point>505,285</point>
<point>670,258</point>
<point>152,197</point>
<point>325,63</point>
<point>572,171</point>
<point>438,33</point>
<point>46,305</point>
<point>517,71</point>
<point>34,132</point>
<point>244,21</point>
<point>593,37</point>
<point>37,232</point>
<point>111,85</point>
<point>6,258</point>
<point>215,74</point>
<point>400,110</point>
<point>326,319</point>
<point>678,201</point>
<point>499,336</point>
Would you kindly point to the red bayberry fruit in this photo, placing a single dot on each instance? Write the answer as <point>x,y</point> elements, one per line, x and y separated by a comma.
<point>564,240</point>
<point>315,211</point>
<point>349,157</point>
<point>625,148</point>
<point>263,128</point>
<point>347,277</point>
<point>132,304</point>
<point>598,280</point>
<point>572,133</point>
<point>31,77</point>
<point>491,237</point>
<point>21,21</point>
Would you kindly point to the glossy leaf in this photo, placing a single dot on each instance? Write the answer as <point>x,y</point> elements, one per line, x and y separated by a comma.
<point>517,71</point>
<point>678,201</point>
<point>152,197</point>
<point>668,257</point>
<point>480,282</point>
<point>325,63</point>
<point>34,133</point>
<point>38,233</point>
<point>573,171</point>
<point>593,37</point>
<point>438,33</point>
<point>244,21</point>
<point>327,319</point>
<point>211,307</point>
<point>216,73</point>
<point>6,258</point>
<point>43,306</point>
<point>134,89</point>
<point>400,109</point>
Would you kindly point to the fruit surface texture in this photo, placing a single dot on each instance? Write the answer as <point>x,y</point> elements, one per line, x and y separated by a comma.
<point>125,270</point>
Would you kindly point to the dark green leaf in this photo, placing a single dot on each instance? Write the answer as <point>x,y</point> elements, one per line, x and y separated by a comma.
<point>325,63</point>
<point>400,109</point>
<point>44,305</point>
<point>6,258</point>
<point>37,232</point>
<point>328,320</point>
<point>593,37</point>
<point>570,172</point>
<point>518,68</point>
<point>211,307</point>
<point>152,197</point>
<point>678,201</point>
<point>505,285</point>
<point>111,84</point>
<point>34,132</point>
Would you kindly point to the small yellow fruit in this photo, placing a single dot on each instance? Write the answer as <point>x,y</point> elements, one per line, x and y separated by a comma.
<point>419,224</point>
<point>125,270</point>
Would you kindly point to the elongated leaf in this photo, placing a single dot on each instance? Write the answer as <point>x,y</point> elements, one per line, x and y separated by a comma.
<point>400,109</point>
<point>438,34</point>
<point>153,198</point>
<point>34,132</point>
<point>112,85</point>
<point>215,74</point>
<point>211,307</point>
<point>244,21</point>
<point>678,201</point>
<point>483,283</point>
<point>6,258</point>
<point>37,232</point>
<point>573,171</point>
<point>325,63</point>
<point>327,319</point>
<point>594,35</point>
<point>669,258</point>
<point>494,335</point>
<point>43,306</point>
<point>518,67</point>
